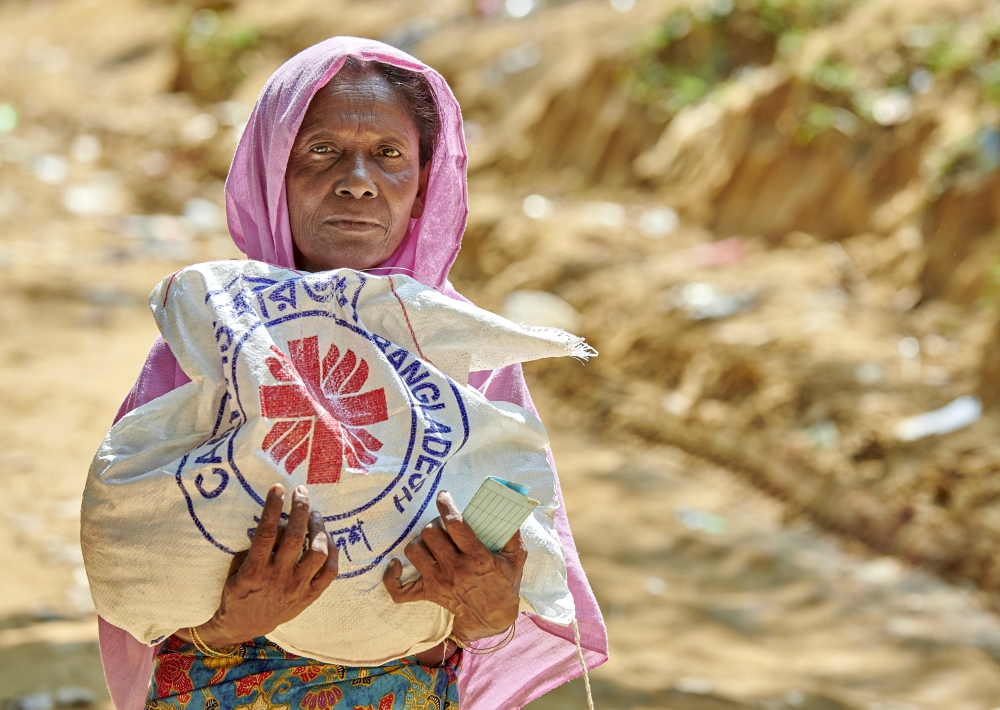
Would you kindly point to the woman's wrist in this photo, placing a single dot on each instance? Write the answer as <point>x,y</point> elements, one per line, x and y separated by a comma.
<point>468,628</point>
<point>214,633</point>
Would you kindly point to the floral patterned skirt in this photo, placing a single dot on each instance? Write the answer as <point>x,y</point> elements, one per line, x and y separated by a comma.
<point>262,675</point>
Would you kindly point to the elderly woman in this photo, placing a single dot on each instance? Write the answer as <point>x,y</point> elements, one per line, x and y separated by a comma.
<point>354,157</point>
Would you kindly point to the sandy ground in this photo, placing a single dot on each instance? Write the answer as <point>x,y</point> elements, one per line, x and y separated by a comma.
<point>711,601</point>
<point>61,382</point>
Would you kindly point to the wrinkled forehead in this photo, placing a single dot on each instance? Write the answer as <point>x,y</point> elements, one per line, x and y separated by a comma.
<point>364,103</point>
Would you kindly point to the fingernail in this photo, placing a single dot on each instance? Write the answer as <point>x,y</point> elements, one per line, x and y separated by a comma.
<point>301,490</point>
<point>278,490</point>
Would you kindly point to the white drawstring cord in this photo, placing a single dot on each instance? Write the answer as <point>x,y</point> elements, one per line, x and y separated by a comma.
<point>489,380</point>
<point>583,664</point>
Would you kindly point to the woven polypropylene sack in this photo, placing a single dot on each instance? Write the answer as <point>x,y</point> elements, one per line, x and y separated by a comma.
<point>353,385</point>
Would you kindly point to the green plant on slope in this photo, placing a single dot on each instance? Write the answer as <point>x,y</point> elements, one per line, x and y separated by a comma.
<point>209,45</point>
<point>694,51</point>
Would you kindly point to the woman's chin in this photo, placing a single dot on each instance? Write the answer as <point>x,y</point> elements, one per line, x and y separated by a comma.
<point>343,257</point>
<point>344,245</point>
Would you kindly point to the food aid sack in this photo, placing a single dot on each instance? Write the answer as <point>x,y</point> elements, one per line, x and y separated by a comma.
<point>351,384</point>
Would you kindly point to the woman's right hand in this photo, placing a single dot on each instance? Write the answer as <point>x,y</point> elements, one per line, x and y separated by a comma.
<point>270,583</point>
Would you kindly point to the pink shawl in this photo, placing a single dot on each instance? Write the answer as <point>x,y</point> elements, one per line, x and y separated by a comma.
<point>542,655</point>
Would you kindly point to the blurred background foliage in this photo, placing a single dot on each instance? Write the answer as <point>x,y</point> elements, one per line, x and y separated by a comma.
<point>696,49</point>
<point>213,52</point>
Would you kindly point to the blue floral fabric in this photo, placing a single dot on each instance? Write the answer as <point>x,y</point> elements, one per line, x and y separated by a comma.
<point>261,675</point>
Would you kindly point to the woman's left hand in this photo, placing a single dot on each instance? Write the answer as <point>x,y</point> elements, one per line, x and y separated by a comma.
<point>458,572</point>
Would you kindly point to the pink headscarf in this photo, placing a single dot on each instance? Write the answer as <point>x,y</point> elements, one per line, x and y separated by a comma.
<point>542,655</point>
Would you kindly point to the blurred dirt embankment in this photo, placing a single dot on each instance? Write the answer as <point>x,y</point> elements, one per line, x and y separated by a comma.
<point>832,167</point>
<point>775,219</point>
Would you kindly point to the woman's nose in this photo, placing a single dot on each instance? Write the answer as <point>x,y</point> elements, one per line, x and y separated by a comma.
<point>357,182</point>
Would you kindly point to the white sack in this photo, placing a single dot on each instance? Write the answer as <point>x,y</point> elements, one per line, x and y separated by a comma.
<point>324,380</point>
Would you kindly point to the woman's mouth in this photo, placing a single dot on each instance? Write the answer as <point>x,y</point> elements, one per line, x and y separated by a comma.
<point>354,224</point>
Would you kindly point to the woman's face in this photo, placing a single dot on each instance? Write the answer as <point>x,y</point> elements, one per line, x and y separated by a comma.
<point>354,179</point>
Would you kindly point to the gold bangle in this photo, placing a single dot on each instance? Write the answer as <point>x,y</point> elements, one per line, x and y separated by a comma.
<point>205,649</point>
<point>475,650</point>
<point>200,645</point>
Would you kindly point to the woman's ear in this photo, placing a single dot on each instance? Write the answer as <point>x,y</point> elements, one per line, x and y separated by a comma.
<point>420,200</point>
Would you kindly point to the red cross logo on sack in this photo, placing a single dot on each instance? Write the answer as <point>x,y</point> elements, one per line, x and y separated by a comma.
<point>321,410</point>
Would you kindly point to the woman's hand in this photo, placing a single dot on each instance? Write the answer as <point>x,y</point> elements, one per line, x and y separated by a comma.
<point>458,572</point>
<point>270,584</point>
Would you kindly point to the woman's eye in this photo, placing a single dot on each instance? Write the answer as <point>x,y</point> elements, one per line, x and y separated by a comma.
<point>322,149</point>
<point>391,153</point>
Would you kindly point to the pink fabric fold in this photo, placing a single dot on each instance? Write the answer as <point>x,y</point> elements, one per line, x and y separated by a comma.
<point>542,655</point>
